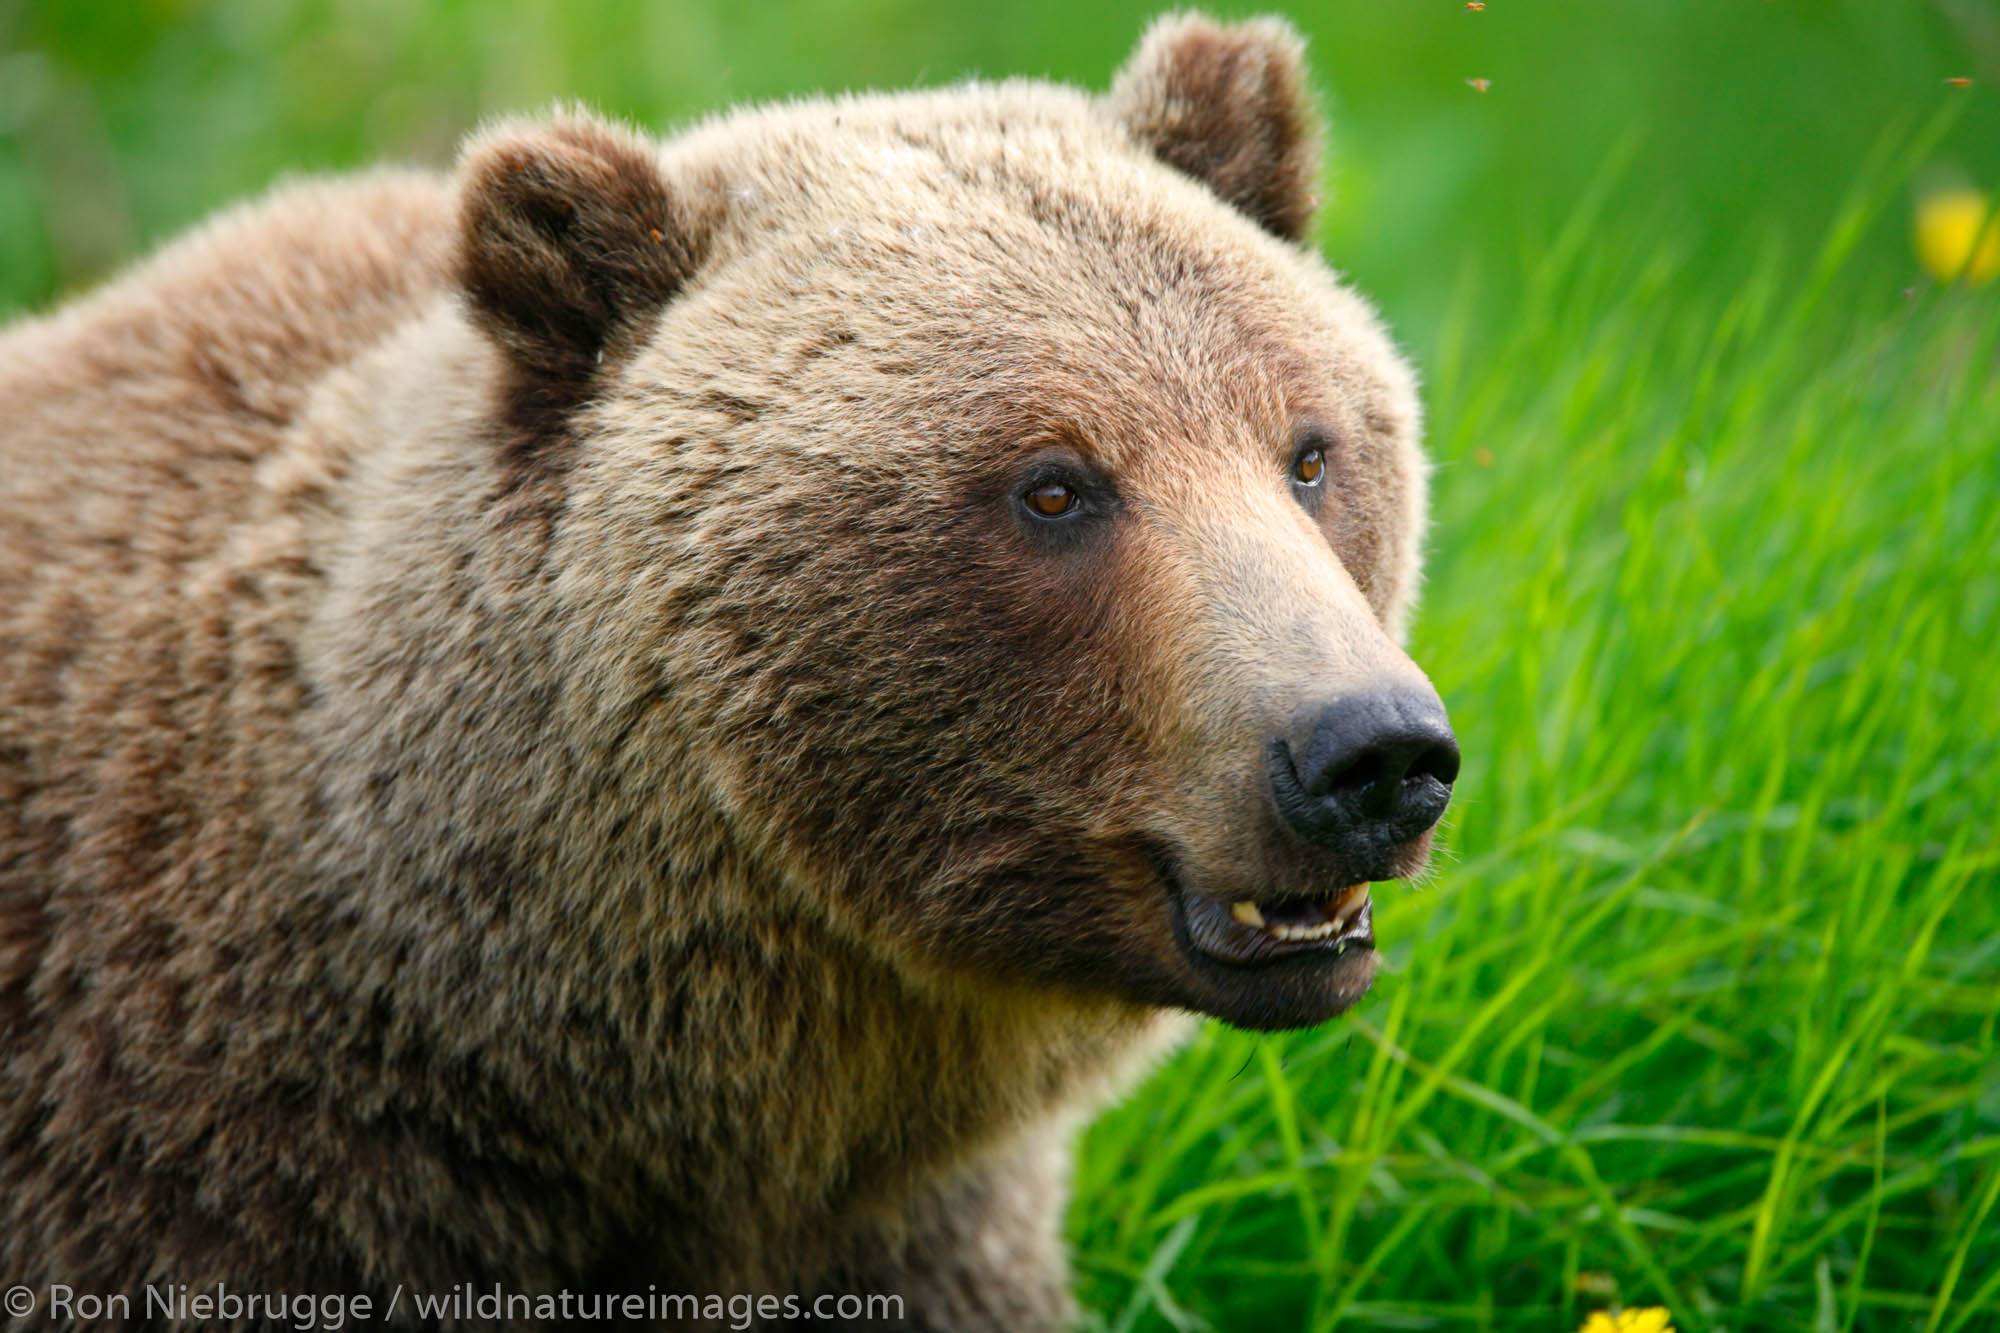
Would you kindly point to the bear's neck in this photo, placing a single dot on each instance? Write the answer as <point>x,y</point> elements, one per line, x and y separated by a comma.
<point>741,1075</point>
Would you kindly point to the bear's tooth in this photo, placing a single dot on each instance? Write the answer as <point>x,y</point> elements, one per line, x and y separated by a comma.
<point>1247,913</point>
<point>1350,902</point>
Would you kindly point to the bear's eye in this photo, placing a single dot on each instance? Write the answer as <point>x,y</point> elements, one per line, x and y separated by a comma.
<point>1051,499</point>
<point>1309,466</point>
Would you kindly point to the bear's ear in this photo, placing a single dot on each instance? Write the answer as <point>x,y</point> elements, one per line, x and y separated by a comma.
<point>1229,106</point>
<point>569,240</point>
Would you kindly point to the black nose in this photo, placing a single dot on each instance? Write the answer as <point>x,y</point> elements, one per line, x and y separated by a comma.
<point>1370,771</point>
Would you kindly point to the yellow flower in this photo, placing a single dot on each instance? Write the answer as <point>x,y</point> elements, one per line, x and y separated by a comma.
<point>1950,223</point>
<point>1650,1320</point>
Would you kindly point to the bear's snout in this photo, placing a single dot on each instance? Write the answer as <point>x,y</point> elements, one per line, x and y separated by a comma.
<point>1364,775</point>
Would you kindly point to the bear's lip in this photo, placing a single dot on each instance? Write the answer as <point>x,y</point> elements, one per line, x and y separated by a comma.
<point>1248,932</point>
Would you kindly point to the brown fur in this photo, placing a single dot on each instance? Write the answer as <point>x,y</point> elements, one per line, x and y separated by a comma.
<point>534,748</point>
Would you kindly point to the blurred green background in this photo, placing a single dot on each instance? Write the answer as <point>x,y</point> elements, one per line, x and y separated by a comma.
<point>1699,1009</point>
<point>1736,121</point>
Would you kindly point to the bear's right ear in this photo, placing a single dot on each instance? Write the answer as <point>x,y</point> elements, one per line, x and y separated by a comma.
<point>569,240</point>
<point>1228,105</point>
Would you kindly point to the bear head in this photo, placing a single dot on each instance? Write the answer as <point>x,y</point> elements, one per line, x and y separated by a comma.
<point>986,508</point>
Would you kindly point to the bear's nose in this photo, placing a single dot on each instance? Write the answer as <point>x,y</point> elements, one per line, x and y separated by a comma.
<point>1367,772</point>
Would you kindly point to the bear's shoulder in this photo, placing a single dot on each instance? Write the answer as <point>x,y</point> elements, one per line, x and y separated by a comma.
<point>243,313</point>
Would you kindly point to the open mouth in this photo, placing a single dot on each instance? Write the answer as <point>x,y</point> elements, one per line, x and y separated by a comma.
<point>1250,931</point>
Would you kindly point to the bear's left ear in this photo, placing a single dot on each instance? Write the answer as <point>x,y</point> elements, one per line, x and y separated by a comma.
<point>569,240</point>
<point>1228,105</point>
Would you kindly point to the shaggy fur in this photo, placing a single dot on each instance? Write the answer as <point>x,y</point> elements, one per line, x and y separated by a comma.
<point>536,748</point>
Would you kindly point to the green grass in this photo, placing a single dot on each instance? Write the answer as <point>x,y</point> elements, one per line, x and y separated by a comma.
<point>1700,1009</point>
<point>1700,1005</point>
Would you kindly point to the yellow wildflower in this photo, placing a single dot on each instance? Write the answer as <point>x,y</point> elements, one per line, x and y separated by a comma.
<point>1653,1319</point>
<point>1950,223</point>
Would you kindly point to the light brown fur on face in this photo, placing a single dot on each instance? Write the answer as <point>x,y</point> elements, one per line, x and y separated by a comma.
<point>538,746</point>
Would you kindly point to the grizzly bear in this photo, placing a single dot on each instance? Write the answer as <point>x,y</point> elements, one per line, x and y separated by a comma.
<point>667,719</point>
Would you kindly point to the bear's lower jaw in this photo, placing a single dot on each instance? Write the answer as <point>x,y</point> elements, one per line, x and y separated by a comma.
<point>1287,962</point>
